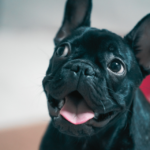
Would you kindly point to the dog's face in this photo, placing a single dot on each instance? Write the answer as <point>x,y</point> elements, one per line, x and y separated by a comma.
<point>93,75</point>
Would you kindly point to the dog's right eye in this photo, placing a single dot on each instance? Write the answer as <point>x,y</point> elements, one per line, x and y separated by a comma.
<point>62,51</point>
<point>116,66</point>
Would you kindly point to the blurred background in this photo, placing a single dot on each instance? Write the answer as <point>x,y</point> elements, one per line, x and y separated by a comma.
<point>27,28</point>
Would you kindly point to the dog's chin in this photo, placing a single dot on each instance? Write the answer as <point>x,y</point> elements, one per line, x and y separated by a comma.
<point>68,128</point>
<point>89,128</point>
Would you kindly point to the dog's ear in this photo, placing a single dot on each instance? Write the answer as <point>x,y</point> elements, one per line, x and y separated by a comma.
<point>139,41</point>
<point>77,14</point>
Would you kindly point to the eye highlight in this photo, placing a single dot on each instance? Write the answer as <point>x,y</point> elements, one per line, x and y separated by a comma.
<point>116,66</point>
<point>62,51</point>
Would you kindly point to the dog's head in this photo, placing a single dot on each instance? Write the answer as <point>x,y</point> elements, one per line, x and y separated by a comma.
<point>93,74</point>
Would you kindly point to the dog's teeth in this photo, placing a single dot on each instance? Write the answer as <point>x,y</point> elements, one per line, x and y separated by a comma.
<point>96,115</point>
<point>95,118</point>
<point>61,103</point>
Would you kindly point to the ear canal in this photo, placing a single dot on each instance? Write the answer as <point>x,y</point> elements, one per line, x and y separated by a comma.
<point>139,41</point>
<point>77,14</point>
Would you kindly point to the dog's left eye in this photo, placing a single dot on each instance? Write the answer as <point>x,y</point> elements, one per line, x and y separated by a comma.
<point>62,51</point>
<point>116,66</point>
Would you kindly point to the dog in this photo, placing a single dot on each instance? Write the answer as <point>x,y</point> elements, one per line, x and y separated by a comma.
<point>92,85</point>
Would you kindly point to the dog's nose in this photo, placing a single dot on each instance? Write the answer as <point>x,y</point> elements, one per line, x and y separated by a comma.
<point>84,68</point>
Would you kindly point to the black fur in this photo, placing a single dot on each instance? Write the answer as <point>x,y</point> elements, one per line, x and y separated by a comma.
<point>86,71</point>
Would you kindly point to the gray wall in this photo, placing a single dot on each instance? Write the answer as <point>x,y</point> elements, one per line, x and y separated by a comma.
<point>112,14</point>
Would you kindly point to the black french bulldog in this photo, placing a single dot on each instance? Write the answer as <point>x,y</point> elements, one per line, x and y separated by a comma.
<point>92,86</point>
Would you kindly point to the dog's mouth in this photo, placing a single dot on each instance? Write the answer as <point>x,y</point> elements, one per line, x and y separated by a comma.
<point>75,110</point>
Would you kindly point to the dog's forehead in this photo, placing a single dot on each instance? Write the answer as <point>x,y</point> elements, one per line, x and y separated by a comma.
<point>98,42</point>
<point>96,38</point>
<point>93,39</point>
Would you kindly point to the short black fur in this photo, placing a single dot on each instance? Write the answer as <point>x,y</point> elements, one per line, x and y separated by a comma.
<point>105,70</point>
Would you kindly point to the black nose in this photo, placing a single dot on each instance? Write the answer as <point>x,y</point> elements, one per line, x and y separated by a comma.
<point>84,68</point>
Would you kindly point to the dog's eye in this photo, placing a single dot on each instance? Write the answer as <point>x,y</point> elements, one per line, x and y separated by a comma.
<point>62,51</point>
<point>116,66</point>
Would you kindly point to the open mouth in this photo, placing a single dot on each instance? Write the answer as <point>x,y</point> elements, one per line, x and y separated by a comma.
<point>74,109</point>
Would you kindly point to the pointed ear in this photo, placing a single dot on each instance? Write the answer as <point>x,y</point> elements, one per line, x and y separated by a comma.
<point>139,41</point>
<point>77,14</point>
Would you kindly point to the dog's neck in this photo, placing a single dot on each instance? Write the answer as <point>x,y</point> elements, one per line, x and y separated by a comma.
<point>140,120</point>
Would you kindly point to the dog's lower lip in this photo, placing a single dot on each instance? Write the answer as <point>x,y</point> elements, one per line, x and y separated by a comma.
<point>95,123</point>
<point>61,103</point>
<point>100,123</point>
<point>101,117</point>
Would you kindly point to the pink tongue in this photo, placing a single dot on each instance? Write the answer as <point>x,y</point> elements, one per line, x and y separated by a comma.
<point>76,111</point>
